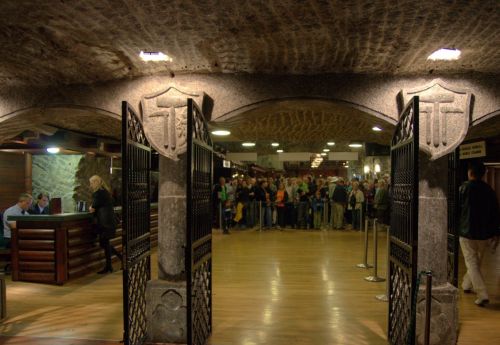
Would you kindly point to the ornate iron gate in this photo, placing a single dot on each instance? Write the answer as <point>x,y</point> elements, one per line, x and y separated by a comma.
<point>453,185</point>
<point>136,167</point>
<point>199,227</point>
<point>404,226</point>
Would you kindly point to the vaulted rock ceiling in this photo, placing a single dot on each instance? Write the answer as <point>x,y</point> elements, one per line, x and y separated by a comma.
<point>55,42</point>
<point>303,125</point>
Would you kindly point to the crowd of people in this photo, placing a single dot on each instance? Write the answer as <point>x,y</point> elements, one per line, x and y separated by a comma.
<point>299,202</point>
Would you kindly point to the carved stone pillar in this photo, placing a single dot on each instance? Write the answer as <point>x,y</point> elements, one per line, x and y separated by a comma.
<point>164,116</point>
<point>167,303</point>
<point>432,253</point>
<point>445,112</point>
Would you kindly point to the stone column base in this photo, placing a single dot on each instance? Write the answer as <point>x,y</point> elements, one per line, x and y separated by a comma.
<point>167,312</point>
<point>444,315</point>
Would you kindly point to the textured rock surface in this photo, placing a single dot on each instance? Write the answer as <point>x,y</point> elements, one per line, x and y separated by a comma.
<point>172,219</point>
<point>63,42</point>
<point>444,315</point>
<point>55,175</point>
<point>344,95</point>
<point>88,166</point>
<point>166,312</point>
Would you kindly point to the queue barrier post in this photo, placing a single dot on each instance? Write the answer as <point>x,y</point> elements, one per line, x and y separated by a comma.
<point>365,264</point>
<point>374,278</point>
<point>385,297</point>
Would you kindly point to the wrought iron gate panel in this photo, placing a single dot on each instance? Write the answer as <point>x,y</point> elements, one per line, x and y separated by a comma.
<point>404,226</point>
<point>199,227</point>
<point>136,167</point>
<point>453,185</point>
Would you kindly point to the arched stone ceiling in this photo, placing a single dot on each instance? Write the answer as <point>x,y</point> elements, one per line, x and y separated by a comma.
<point>56,42</point>
<point>303,125</point>
<point>489,128</point>
<point>86,121</point>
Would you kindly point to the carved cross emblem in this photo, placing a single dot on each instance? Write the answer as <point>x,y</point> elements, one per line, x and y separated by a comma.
<point>164,116</point>
<point>444,116</point>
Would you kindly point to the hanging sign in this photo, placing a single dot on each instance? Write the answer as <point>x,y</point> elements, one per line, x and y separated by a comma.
<point>473,150</point>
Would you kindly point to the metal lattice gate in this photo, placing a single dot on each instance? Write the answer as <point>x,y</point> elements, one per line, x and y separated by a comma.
<point>199,226</point>
<point>404,226</point>
<point>136,167</point>
<point>453,185</point>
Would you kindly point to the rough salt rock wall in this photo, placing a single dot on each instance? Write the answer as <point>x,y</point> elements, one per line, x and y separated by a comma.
<point>90,165</point>
<point>55,175</point>
<point>66,42</point>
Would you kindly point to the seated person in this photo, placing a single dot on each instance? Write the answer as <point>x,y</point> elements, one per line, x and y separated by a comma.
<point>19,209</point>
<point>41,205</point>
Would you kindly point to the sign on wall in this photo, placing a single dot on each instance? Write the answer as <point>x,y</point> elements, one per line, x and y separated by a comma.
<point>473,150</point>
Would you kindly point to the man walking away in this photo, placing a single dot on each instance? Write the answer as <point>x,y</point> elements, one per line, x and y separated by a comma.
<point>478,227</point>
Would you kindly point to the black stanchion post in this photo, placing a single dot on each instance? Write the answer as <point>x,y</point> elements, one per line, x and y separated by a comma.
<point>385,297</point>
<point>428,300</point>
<point>365,254</point>
<point>221,226</point>
<point>375,278</point>
<point>260,215</point>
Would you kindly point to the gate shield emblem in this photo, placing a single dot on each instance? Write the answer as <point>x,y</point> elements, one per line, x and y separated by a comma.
<point>444,116</point>
<point>164,117</point>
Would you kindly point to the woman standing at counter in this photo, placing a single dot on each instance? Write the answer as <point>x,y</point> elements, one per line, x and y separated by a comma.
<point>105,222</point>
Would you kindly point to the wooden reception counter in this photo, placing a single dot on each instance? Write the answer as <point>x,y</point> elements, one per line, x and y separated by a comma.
<point>57,248</point>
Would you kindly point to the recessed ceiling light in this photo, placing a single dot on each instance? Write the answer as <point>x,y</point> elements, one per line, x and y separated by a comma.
<point>323,154</point>
<point>275,144</point>
<point>355,145</point>
<point>376,129</point>
<point>53,149</point>
<point>445,54</point>
<point>154,56</point>
<point>326,150</point>
<point>279,151</point>
<point>221,132</point>
<point>331,143</point>
<point>248,144</point>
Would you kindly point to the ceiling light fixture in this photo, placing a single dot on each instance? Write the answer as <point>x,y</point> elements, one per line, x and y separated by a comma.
<point>355,145</point>
<point>275,144</point>
<point>446,54</point>
<point>346,166</point>
<point>53,150</point>
<point>331,143</point>
<point>376,129</point>
<point>323,154</point>
<point>279,151</point>
<point>221,132</point>
<point>326,150</point>
<point>154,56</point>
<point>248,144</point>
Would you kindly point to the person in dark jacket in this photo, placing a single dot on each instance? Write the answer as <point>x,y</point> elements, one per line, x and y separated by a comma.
<point>41,206</point>
<point>105,221</point>
<point>478,227</point>
<point>339,199</point>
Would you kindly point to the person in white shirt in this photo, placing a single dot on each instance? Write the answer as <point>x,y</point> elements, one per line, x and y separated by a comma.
<point>20,209</point>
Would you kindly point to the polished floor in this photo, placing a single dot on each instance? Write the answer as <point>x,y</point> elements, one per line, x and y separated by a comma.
<point>276,287</point>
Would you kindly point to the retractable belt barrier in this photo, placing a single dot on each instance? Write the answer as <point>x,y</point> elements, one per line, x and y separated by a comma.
<point>374,278</point>
<point>365,264</point>
<point>385,297</point>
